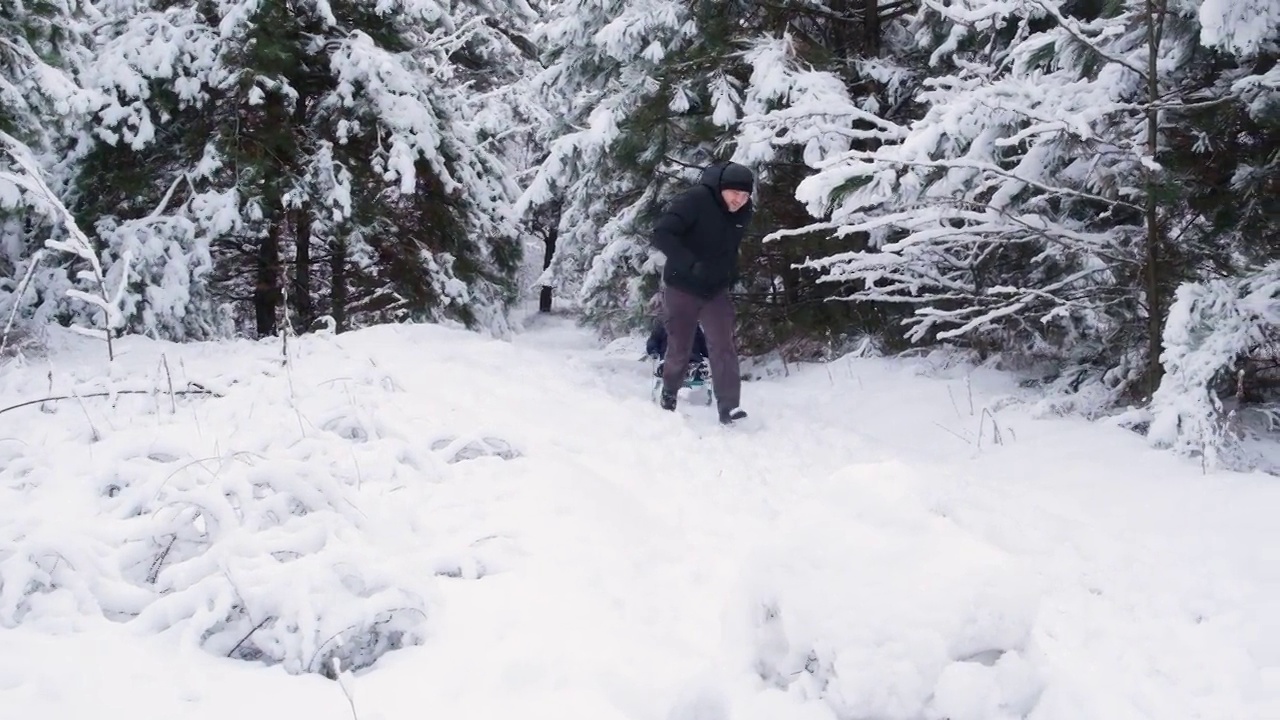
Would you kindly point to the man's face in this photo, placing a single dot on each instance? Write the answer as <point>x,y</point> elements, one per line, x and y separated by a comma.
<point>735,199</point>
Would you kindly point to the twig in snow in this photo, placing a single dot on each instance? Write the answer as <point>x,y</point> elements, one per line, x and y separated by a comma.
<point>17,296</point>
<point>182,365</point>
<point>287,360</point>
<point>996,436</point>
<point>154,574</point>
<point>953,432</point>
<point>200,391</point>
<point>96,436</point>
<point>390,613</point>
<point>337,671</point>
<point>954,406</point>
<point>173,402</point>
<point>245,639</point>
<point>311,663</point>
<point>356,462</point>
<point>199,462</point>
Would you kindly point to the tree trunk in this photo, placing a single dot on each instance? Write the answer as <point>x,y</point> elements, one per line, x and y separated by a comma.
<point>266,291</point>
<point>338,293</point>
<point>303,299</point>
<point>544,299</point>
<point>302,267</point>
<point>871,27</point>
<point>1152,275</point>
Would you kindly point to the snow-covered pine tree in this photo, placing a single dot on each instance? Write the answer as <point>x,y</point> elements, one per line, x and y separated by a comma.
<point>650,91</point>
<point>1225,147</point>
<point>337,140</point>
<point>523,128</point>
<point>40,45</point>
<point>1028,209</point>
<point>802,117</point>
<point>1223,328</point>
<point>1211,326</point>
<point>603,78</point>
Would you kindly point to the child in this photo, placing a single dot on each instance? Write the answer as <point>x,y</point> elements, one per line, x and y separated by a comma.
<point>657,346</point>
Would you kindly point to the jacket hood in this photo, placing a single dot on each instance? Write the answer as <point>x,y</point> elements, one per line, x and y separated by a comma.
<point>711,176</point>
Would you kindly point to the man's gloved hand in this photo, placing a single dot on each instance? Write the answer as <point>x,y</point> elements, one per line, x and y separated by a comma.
<point>698,270</point>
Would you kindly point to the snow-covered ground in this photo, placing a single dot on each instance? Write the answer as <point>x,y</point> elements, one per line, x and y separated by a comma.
<point>885,540</point>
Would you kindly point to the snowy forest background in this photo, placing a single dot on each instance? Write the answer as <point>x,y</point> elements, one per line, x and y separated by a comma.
<point>1085,189</point>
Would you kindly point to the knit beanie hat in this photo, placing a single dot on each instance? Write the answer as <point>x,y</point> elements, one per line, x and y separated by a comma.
<point>736,177</point>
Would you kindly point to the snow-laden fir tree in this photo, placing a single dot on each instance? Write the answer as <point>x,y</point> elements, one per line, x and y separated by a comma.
<point>604,77</point>
<point>1211,325</point>
<point>1030,207</point>
<point>40,46</point>
<point>1223,327</point>
<point>650,91</point>
<point>333,153</point>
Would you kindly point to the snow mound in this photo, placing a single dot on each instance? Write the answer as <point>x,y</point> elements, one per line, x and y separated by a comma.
<point>900,615</point>
<point>279,521</point>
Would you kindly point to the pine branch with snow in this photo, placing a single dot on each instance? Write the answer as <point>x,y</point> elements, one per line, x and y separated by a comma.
<point>1016,213</point>
<point>30,179</point>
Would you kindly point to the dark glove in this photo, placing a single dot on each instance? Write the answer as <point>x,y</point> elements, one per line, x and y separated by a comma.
<point>698,270</point>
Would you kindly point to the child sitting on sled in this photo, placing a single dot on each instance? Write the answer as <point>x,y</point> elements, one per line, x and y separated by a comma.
<point>656,347</point>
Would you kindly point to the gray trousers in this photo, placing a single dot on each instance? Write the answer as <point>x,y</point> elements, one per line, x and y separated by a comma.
<point>683,312</point>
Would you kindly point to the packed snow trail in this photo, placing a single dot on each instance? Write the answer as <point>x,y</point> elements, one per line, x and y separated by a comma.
<point>873,551</point>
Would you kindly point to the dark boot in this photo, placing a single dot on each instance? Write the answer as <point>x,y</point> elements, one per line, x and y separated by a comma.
<point>667,400</point>
<point>727,417</point>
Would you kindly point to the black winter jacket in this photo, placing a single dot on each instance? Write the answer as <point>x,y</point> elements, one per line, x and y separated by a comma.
<point>697,227</point>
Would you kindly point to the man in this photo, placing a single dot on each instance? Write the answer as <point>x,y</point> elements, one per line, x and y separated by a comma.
<point>700,233</point>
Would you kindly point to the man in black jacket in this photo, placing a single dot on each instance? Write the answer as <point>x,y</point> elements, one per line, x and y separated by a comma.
<point>700,233</point>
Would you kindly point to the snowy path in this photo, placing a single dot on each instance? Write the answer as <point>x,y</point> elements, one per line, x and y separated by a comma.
<point>857,557</point>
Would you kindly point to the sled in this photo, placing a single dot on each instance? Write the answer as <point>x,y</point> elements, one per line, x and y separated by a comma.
<point>697,381</point>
